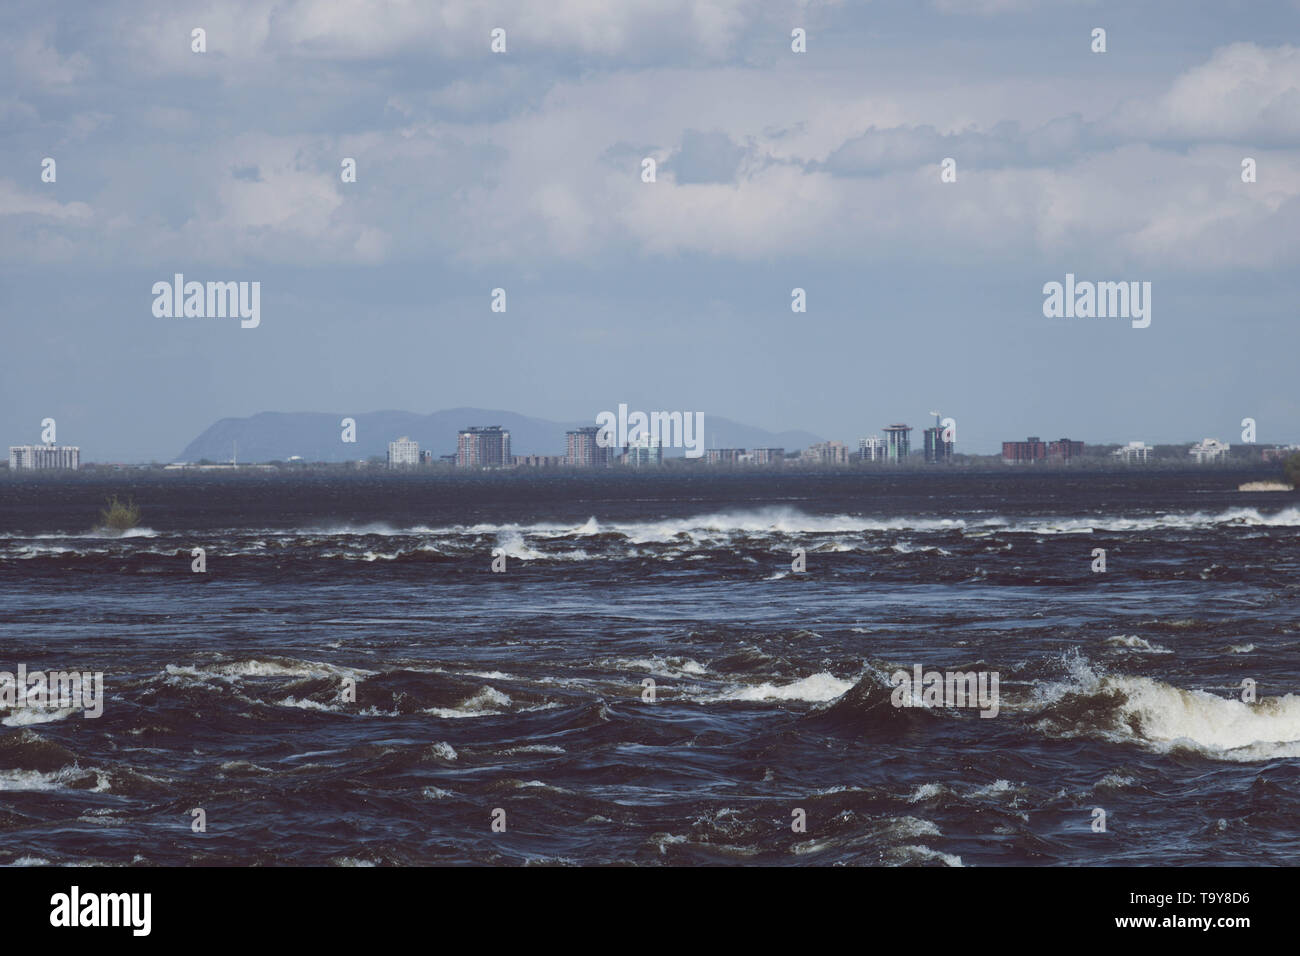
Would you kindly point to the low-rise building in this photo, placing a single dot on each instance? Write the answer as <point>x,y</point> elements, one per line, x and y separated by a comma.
<point>1135,452</point>
<point>1064,450</point>
<point>826,453</point>
<point>1209,450</point>
<point>44,457</point>
<point>538,461</point>
<point>1280,453</point>
<point>724,456</point>
<point>1031,450</point>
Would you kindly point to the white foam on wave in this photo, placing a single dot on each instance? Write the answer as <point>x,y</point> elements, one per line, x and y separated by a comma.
<point>254,667</point>
<point>51,780</point>
<point>931,791</point>
<point>907,547</point>
<point>512,545</point>
<point>768,521</point>
<point>722,526</point>
<point>26,716</point>
<point>307,703</point>
<point>771,520</point>
<point>923,853</point>
<point>444,750</point>
<point>486,703</point>
<point>1164,717</point>
<point>1132,642</point>
<point>659,666</point>
<point>927,791</point>
<point>1199,520</point>
<point>1113,781</point>
<point>1226,727</point>
<point>817,688</point>
<point>787,521</point>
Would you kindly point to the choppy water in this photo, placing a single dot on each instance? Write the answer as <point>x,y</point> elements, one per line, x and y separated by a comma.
<point>523,690</point>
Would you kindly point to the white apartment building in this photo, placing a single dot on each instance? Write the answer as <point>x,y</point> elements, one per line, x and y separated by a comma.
<point>1134,451</point>
<point>44,457</point>
<point>1208,450</point>
<point>874,448</point>
<point>403,453</point>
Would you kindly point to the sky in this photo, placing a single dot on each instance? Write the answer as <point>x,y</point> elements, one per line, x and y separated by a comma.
<point>775,170</point>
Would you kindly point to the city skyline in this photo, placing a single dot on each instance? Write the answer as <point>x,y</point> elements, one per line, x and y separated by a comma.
<point>490,446</point>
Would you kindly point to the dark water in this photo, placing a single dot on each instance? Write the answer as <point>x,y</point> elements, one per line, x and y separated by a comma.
<point>523,690</point>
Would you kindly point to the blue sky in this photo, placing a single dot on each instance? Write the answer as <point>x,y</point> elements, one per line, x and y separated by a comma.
<point>776,170</point>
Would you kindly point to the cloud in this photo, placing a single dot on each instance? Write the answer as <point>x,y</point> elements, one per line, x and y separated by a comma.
<point>706,158</point>
<point>534,158</point>
<point>35,61</point>
<point>639,30</point>
<point>16,202</point>
<point>986,8</point>
<point>1243,92</point>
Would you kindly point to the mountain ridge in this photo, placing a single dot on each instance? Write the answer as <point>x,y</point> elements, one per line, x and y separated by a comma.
<point>317,436</point>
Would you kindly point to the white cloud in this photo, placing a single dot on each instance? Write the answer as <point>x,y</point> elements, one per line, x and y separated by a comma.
<point>1243,91</point>
<point>557,176</point>
<point>34,59</point>
<point>18,202</point>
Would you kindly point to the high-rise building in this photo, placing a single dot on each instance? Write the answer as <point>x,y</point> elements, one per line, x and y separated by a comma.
<point>938,450</point>
<point>898,441</point>
<point>483,446</point>
<point>44,457</point>
<point>403,453</point>
<point>872,449</point>
<point>583,451</point>
<point>767,456</point>
<point>642,451</point>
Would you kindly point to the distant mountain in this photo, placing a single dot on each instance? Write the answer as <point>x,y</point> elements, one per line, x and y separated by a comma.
<point>315,436</point>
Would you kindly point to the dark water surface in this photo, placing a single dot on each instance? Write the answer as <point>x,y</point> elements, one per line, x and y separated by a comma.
<point>523,691</point>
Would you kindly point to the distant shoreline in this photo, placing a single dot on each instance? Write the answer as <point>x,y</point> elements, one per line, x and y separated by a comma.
<point>1231,474</point>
